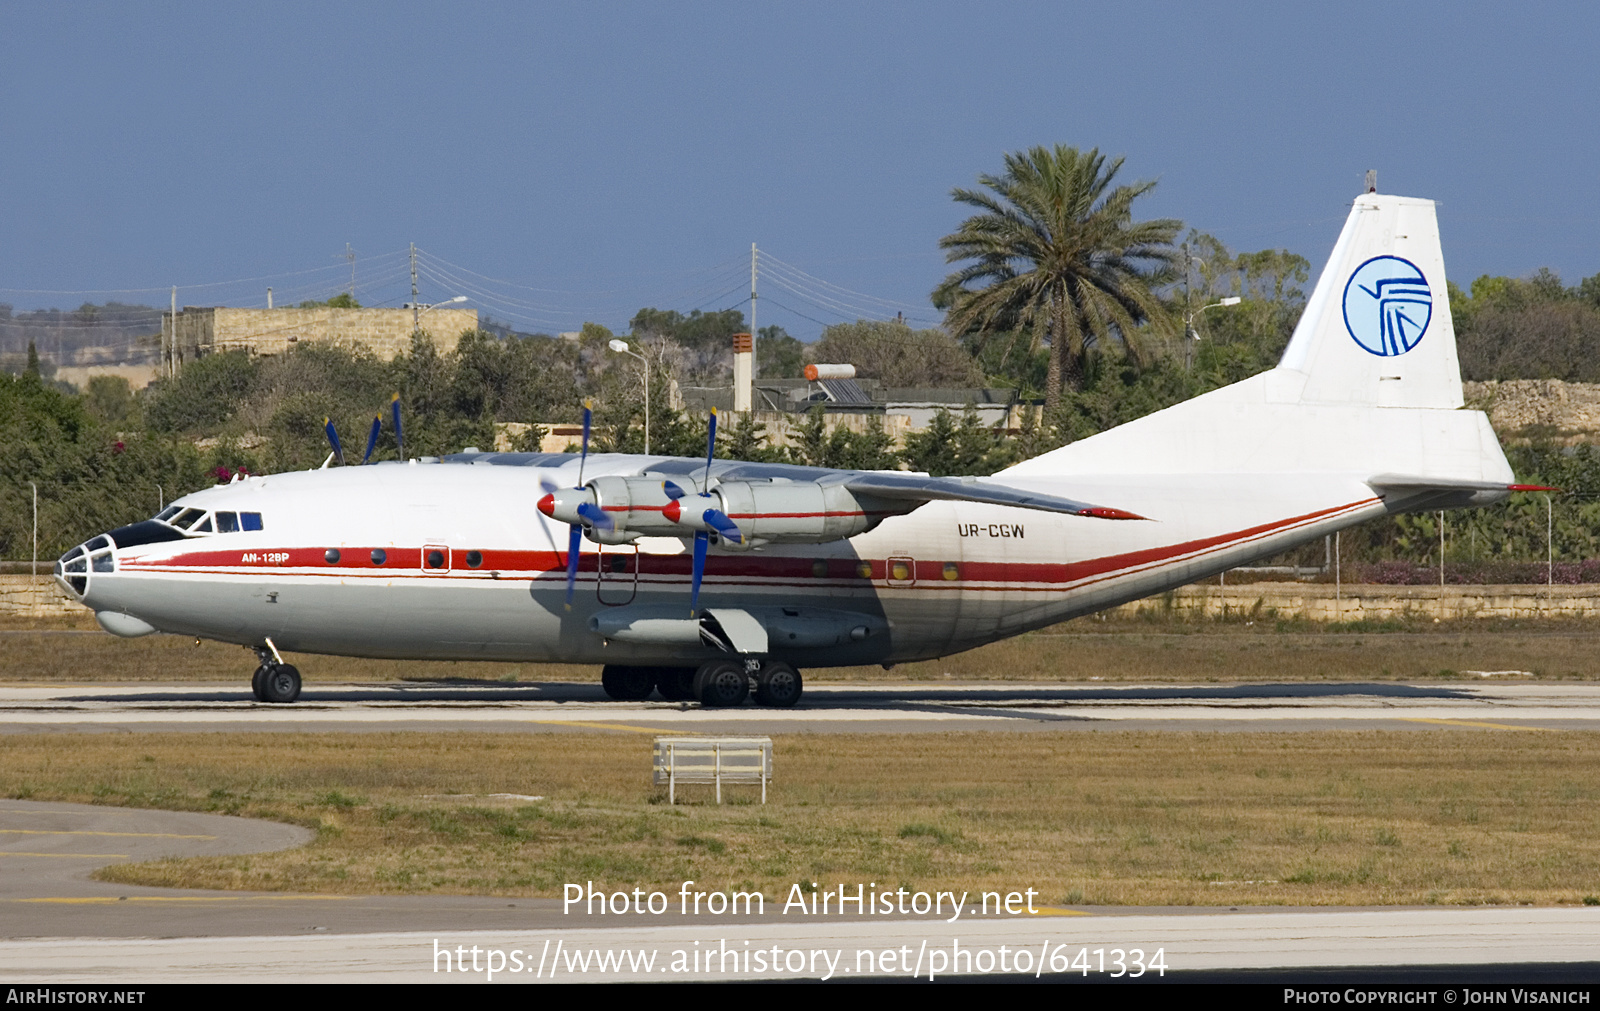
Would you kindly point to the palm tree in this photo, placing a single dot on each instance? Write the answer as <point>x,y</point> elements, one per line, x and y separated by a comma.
<point>1057,254</point>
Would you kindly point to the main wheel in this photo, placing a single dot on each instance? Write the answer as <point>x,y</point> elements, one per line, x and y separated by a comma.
<point>255,682</point>
<point>721,683</point>
<point>626,684</point>
<point>676,684</point>
<point>778,684</point>
<point>281,683</point>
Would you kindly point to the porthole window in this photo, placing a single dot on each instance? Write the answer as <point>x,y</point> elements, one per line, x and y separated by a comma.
<point>332,556</point>
<point>864,570</point>
<point>951,571</point>
<point>436,559</point>
<point>474,559</point>
<point>619,563</point>
<point>899,570</point>
<point>379,556</point>
<point>819,568</point>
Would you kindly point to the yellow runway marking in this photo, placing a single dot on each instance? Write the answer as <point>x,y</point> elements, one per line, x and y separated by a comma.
<point>138,835</point>
<point>106,899</point>
<point>1476,723</point>
<point>79,856</point>
<point>1053,911</point>
<point>600,726</point>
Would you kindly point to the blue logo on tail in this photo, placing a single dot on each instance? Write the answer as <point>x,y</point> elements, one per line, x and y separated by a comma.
<point>1387,305</point>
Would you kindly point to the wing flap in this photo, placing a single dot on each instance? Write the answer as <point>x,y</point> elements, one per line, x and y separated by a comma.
<point>913,488</point>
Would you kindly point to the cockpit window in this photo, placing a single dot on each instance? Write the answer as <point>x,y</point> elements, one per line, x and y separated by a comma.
<point>227,523</point>
<point>168,513</point>
<point>203,527</point>
<point>250,521</point>
<point>188,518</point>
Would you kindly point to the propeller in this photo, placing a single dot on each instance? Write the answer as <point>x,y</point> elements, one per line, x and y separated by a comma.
<point>399,440</point>
<point>333,440</point>
<point>372,438</point>
<point>587,511</point>
<point>709,518</point>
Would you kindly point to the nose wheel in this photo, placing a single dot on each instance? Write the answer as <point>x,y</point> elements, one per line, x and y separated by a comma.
<point>274,680</point>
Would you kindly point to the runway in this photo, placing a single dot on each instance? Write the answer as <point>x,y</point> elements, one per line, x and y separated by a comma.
<point>827,708</point>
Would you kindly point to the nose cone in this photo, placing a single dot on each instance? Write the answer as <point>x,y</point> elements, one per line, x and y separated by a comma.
<point>547,505</point>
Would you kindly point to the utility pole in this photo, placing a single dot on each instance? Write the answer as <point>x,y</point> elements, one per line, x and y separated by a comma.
<point>172,348</point>
<point>1188,346</point>
<point>416,314</point>
<point>350,254</point>
<point>35,527</point>
<point>269,297</point>
<point>755,334</point>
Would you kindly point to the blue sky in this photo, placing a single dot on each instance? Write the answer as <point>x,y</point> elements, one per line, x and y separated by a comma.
<point>595,160</point>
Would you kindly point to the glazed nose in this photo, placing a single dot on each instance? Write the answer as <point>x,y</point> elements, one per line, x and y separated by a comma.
<point>73,568</point>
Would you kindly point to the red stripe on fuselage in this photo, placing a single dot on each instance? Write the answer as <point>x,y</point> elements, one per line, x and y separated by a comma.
<point>356,562</point>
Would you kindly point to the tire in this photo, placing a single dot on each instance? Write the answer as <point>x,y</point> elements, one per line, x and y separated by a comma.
<point>256,680</point>
<point>721,683</point>
<point>676,684</point>
<point>626,684</point>
<point>281,683</point>
<point>778,684</point>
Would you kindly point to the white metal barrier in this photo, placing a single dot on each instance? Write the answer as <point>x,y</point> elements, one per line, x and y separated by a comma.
<point>712,760</point>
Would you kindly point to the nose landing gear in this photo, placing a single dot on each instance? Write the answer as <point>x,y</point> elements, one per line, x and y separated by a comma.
<point>274,680</point>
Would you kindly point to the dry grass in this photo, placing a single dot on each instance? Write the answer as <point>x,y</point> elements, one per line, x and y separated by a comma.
<point>1132,651</point>
<point>1451,816</point>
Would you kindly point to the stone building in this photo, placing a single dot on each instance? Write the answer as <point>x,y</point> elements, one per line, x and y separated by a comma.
<point>201,330</point>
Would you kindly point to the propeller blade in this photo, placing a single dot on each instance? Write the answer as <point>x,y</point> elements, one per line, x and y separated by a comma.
<point>372,437</point>
<point>596,516</point>
<point>701,540</point>
<point>573,544</point>
<point>711,445</point>
<point>399,440</point>
<point>549,486</point>
<point>588,418</point>
<point>672,490</point>
<point>333,440</point>
<point>718,520</point>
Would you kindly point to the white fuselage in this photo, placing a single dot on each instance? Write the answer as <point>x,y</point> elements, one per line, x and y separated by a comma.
<point>944,578</point>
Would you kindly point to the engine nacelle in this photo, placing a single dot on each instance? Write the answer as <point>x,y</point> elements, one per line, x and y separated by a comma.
<point>765,511</point>
<point>793,512</point>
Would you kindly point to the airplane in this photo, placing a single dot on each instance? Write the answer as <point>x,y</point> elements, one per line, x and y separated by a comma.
<point>715,580</point>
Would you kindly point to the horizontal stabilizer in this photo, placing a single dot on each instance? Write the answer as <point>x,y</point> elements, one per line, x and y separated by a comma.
<point>905,487</point>
<point>1411,485</point>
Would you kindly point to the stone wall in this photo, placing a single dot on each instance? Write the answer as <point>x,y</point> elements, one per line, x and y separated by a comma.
<point>34,597</point>
<point>1357,602</point>
<point>386,332</point>
<point>1569,412</point>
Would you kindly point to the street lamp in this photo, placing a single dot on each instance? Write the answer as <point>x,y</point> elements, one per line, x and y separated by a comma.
<point>621,347</point>
<point>417,310</point>
<point>1189,332</point>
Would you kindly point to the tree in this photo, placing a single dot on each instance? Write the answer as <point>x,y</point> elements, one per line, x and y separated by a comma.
<point>778,355</point>
<point>1056,251</point>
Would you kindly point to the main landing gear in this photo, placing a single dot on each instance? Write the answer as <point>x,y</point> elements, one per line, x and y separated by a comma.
<point>716,683</point>
<point>274,680</point>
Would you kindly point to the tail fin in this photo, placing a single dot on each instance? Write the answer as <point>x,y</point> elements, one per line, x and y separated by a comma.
<point>1377,329</point>
<point>1369,383</point>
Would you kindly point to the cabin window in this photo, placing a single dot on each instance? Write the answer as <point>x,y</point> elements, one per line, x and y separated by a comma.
<point>819,568</point>
<point>864,570</point>
<point>952,571</point>
<point>474,559</point>
<point>331,556</point>
<point>379,556</point>
<point>250,521</point>
<point>436,559</point>
<point>227,523</point>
